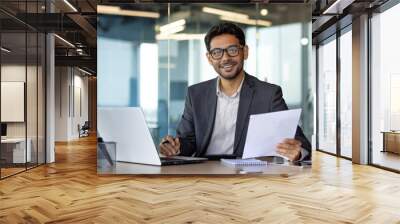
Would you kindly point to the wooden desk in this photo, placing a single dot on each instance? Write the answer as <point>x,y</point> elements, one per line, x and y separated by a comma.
<point>206,168</point>
<point>391,141</point>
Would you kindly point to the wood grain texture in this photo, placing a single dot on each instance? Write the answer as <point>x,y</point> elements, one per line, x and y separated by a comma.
<point>69,191</point>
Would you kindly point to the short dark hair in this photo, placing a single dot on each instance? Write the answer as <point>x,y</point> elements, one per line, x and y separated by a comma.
<point>224,28</point>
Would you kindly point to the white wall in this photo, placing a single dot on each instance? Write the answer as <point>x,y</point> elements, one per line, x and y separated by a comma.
<point>70,84</point>
<point>62,81</point>
<point>79,117</point>
<point>12,73</point>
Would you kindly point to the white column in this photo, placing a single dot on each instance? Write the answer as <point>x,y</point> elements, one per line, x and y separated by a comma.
<point>360,90</point>
<point>50,92</point>
<point>50,98</point>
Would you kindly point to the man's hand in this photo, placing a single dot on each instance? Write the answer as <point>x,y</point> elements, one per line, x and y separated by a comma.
<point>291,148</point>
<point>170,146</point>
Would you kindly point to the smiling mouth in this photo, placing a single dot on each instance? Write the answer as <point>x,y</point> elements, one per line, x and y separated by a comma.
<point>227,66</point>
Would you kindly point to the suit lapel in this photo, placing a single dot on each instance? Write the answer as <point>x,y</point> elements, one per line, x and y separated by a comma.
<point>211,109</point>
<point>246,96</point>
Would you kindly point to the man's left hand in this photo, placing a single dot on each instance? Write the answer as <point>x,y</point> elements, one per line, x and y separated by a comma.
<point>291,148</point>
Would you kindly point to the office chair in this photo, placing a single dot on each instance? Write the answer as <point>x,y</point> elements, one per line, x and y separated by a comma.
<point>84,130</point>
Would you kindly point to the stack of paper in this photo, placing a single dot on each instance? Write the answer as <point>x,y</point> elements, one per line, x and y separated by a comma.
<point>243,162</point>
<point>267,130</point>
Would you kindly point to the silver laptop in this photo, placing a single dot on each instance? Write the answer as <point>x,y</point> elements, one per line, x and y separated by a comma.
<point>127,127</point>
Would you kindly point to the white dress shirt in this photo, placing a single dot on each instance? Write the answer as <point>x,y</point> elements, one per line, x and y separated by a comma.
<point>223,135</point>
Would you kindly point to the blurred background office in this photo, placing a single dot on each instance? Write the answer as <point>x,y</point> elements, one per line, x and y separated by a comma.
<point>148,54</point>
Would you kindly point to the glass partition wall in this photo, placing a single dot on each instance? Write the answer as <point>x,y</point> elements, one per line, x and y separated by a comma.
<point>334,113</point>
<point>385,89</point>
<point>327,79</point>
<point>22,88</point>
<point>148,59</point>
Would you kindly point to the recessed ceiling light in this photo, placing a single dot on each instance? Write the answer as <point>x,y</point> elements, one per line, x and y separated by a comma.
<point>65,41</point>
<point>264,12</point>
<point>225,13</point>
<point>5,50</point>
<point>70,5</point>
<point>84,71</point>
<point>115,10</point>
<point>304,41</point>
<point>173,27</point>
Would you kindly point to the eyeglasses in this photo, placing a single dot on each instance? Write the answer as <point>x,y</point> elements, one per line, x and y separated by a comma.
<point>218,53</point>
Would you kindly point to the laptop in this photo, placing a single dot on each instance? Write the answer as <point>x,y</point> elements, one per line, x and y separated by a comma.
<point>127,127</point>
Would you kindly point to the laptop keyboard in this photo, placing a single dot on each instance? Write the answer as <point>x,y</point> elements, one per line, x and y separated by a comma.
<point>168,159</point>
<point>174,161</point>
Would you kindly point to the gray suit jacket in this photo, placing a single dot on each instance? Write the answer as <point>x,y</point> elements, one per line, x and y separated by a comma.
<point>197,122</point>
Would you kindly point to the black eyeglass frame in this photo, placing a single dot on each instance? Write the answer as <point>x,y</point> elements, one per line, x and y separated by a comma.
<point>226,50</point>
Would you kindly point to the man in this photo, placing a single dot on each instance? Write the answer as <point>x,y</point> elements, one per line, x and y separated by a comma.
<point>216,114</point>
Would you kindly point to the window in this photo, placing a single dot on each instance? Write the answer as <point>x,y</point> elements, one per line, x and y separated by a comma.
<point>346,94</point>
<point>385,85</point>
<point>327,97</point>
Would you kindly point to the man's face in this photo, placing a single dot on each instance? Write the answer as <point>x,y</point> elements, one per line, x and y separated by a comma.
<point>228,67</point>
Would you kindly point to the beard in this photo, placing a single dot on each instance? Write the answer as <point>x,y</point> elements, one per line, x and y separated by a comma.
<point>229,70</point>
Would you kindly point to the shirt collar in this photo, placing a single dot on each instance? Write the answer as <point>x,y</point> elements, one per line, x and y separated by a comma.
<point>220,93</point>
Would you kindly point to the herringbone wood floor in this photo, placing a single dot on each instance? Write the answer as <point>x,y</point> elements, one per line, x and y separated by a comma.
<point>69,191</point>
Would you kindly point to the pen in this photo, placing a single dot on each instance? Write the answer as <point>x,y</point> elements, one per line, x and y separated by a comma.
<point>249,172</point>
<point>165,141</point>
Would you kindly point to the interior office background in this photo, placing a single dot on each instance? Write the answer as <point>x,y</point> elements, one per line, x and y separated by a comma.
<point>47,94</point>
<point>334,59</point>
<point>149,60</point>
<point>22,96</point>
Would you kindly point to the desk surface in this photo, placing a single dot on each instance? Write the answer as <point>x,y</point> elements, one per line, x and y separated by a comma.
<point>391,132</point>
<point>206,168</point>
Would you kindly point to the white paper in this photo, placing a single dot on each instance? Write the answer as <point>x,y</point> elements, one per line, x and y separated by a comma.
<point>267,130</point>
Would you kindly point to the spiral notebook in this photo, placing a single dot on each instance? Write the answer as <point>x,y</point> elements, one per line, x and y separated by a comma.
<point>243,162</point>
